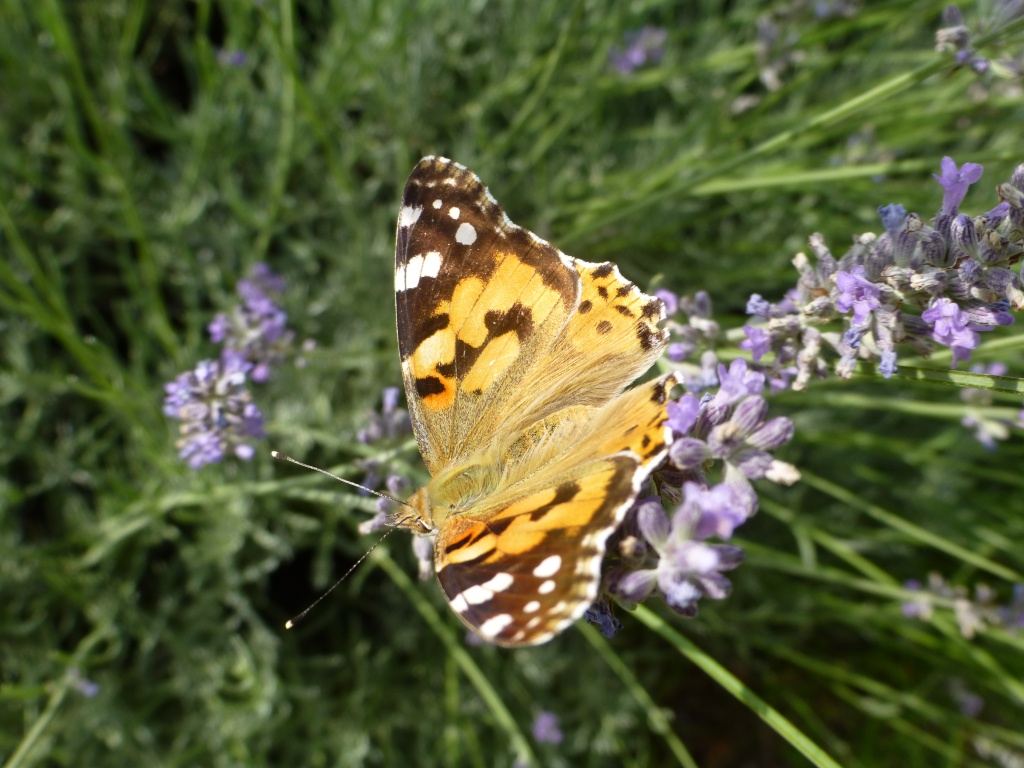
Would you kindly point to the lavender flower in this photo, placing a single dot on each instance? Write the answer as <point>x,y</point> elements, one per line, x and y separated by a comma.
<point>228,58</point>
<point>600,613</point>
<point>974,613</point>
<point>728,433</point>
<point>686,568</point>
<point>914,284</point>
<point>256,331</point>
<point>951,327</point>
<point>83,685</point>
<point>987,429</point>
<point>858,293</point>
<point>642,46</point>
<point>956,182</point>
<point>390,423</point>
<point>547,729</point>
<point>216,412</point>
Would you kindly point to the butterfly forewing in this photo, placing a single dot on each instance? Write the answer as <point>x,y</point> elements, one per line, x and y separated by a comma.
<point>479,301</point>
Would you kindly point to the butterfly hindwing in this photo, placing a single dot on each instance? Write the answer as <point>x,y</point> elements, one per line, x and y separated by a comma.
<point>527,562</point>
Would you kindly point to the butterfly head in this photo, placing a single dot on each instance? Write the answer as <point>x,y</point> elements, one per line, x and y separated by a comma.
<point>416,515</point>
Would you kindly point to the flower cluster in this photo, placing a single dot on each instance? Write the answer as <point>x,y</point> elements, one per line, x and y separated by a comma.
<point>383,429</point>
<point>213,402</point>
<point>256,330</point>
<point>954,38</point>
<point>973,612</point>
<point>642,47</point>
<point>916,284</point>
<point>987,429</point>
<point>725,436</point>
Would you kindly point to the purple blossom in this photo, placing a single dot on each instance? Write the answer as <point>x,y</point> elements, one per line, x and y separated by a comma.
<point>950,327</point>
<point>600,613</point>
<point>83,685</point>
<point>757,343</point>
<point>759,306</point>
<point>858,293</point>
<point>956,182</point>
<point>737,382</point>
<point>642,46</point>
<point>682,413</point>
<point>887,364</point>
<point>893,215</point>
<point>390,423</point>
<point>546,728</point>
<point>679,351</point>
<point>686,568</point>
<point>216,412</point>
<point>255,331</point>
<point>670,300</point>
<point>228,58</point>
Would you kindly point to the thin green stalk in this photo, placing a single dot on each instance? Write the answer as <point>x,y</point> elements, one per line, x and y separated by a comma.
<point>772,718</point>
<point>656,717</point>
<point>457,651</point>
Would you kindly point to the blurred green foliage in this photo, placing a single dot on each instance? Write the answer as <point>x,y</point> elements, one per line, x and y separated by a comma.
<point>150,152</point>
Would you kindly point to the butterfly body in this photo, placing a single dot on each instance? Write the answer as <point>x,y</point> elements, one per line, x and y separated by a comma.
<point>515,359</point>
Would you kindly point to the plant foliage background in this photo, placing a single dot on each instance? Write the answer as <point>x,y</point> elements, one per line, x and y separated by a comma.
<point>152,152</point>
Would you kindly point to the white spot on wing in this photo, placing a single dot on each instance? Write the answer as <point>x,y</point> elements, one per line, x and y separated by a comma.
<point>481,593</point>
<point>499,583</point>
<point>531,607</point>
<point>459,604</point>
<point>454,212</point>
<point>465,234</point>
<point>495,624</point>
<point>437,204</point>
<point>421,265</point>
<point>475,595</point>
<point>548,567</point>
<point>408,215</point>
<point>546,587</point>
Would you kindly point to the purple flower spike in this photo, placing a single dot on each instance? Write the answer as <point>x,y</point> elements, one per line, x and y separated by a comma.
<point>215,410</point>
<point>956,182</point>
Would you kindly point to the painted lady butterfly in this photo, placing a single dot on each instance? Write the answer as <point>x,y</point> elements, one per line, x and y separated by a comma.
<point>515,357</point>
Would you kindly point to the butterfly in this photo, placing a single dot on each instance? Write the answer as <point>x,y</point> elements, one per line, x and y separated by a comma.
<point>515,360</point>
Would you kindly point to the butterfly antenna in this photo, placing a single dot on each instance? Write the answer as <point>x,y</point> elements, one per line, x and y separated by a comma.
<point>397,524</point>
<point>283,457</point>
<point>295,620</point>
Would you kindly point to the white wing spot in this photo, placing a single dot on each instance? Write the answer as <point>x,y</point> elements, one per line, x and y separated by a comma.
<point>548,567</point>
<point>481,593</point>
<point>546,587</point>
<point>495,624</point>
<point>475,595</point>
<point>408,215</point>
<point>465,234</point>
<point>499,583</point>
<point>531,607</point>
<point>419,266</point>
<point>454,212</point>
<point>438,204</point>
